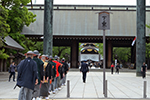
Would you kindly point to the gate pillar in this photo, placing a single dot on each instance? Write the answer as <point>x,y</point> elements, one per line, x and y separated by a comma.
<point>74,54</point>
<point>109,53</point>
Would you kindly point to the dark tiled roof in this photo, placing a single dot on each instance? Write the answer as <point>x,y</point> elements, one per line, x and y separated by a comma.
<point>10,43</point>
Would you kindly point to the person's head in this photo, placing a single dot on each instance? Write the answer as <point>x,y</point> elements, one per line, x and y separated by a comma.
<point>143,63</point>
<point>112,63</point>
<point>36,52</point>
<point>117,63</point>
<point>63,59</point>
<point>43,57</point>
<point>84,61</point>
<point>50,57</point>
<point>56,57</point>
<point>47,57</point>
<point>29,54</point>
<point>13,62</point>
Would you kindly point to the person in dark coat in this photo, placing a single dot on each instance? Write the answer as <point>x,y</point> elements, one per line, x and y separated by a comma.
<point>45,84</point>
<point>117,68</point>
<point>12,71</point>
<point>27,77</point>
<point>144,70</point>
<point>65,70</point>
<point>53,74</point>
<point>84,69</point>
<point>36,93</point>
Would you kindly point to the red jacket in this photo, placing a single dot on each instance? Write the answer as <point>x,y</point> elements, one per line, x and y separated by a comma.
<point>112,66</point>
<point>57,65</point>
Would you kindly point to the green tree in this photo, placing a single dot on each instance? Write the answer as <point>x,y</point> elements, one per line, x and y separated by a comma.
<point>123,54</point>
<point>61,51</point>
<point>100,46</point>
<point>4,29</point>
<point>19,16</point>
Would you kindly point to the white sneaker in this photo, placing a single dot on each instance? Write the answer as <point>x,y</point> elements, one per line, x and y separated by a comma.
<point>49,92</point>
<point>54,92</point>
<point>64,84</point>
<point>38,98</point>
<point>33,99</point>
<point>59,89</point>
<point>56,89</point>
<point>46,98</point>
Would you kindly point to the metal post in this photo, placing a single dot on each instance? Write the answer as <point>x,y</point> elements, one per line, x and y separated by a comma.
<point>68,88</point>
<point>103,61</point>
<point>144,90</point>
<point>140,40</point>
<point>105,89</point>
<point>48,27</point>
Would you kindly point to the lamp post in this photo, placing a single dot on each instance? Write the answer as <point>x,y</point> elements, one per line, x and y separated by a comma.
<point>104,24</point>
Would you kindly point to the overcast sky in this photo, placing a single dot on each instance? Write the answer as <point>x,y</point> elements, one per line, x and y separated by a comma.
<point>93,2</point>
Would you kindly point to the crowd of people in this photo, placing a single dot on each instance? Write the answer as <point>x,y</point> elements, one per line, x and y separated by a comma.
<point>39,76</point>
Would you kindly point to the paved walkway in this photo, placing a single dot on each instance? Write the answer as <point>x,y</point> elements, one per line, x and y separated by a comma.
<point>124,85</point>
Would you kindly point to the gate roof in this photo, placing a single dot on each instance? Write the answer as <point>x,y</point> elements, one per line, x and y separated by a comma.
<point>82,20</point>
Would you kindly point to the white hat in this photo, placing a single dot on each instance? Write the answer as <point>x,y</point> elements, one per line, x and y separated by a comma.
<point>30,52</point>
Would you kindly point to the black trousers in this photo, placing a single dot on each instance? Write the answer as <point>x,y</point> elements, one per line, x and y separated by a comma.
<point>117,70</point>
<point>12,73</point>
<point>143,74</point>
<point>112,70</point>
<point>84,76</point>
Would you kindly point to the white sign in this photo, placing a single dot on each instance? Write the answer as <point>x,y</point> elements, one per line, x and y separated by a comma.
<point>104,21</point>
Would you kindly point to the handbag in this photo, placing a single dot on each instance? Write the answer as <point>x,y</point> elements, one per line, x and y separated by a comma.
<point>9,71</point>
<point>44,89</point>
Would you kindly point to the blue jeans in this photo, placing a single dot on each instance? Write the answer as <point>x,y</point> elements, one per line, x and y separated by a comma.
<point>55,82</point>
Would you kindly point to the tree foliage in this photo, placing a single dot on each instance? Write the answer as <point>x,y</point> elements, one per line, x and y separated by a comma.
<point>100,46</point>
<point>123,54</point>
<point>18,16</point>
<point>3,55</point>
<point>148,46</point>
<point>62,52</point>
<point>4,29</point>
<point>147,50</point>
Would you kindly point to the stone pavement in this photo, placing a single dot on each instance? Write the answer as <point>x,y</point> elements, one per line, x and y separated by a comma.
<point>120,86</point>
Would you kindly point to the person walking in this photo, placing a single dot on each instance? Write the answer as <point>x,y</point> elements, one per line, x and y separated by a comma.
<point>117,68</point>
<point>12,71</point>
<point>144,70</point>
<point>65,71</point>
<point>45,83</point>
<point>84,69</point>
<point>27,77</point>
<point>57,79</point>
<point>112,68</point>
<point>36,93</point>
<point>51,87</point>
